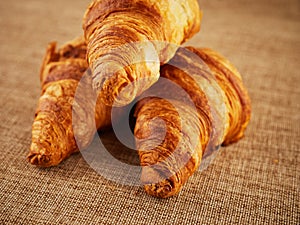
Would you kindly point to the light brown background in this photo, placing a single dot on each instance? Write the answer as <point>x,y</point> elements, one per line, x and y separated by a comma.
<point>255,181</point>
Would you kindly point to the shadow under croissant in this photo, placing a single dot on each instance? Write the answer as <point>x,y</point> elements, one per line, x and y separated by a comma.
<point>148,177</point>
<point>117,149</point>
<point>123,152</point>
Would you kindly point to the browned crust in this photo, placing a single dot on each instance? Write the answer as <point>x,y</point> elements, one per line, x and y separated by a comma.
<point>163,172</point>
<point>98,11</point>
<point>52,132</point>
<point>238,101</point>
<point>111,24</point>
<point>167,166</point>
<point>64,71</point>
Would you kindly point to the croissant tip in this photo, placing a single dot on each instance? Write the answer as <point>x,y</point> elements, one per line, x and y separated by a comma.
<point>38,159</point>
<point>156,190</point>
<point>156,185</point>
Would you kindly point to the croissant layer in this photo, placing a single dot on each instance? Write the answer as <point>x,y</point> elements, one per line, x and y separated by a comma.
<point>53,138</point>
<point>171,150</point>
<point>119,51</point>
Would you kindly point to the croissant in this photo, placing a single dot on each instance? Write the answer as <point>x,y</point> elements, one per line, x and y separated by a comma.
<point>52,131</point>
<point>218,116</point>
<point>119,51</point>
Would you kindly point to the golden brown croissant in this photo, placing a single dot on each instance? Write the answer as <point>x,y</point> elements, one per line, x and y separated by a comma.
<point>52,131</point>
<point>119,51</point>
<point>237,99</point>
<point>187,131</point>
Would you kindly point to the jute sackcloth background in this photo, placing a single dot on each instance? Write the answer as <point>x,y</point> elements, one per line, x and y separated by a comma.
<point>255,181</point>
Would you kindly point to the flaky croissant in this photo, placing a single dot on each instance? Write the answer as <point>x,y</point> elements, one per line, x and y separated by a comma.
<point>119,51</point>
<point>52,131</point>
<point>220,115</point>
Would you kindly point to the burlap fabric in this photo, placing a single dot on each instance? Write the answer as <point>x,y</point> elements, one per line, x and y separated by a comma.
<point>255,181</point>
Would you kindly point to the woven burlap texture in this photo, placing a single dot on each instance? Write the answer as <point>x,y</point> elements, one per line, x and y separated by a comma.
<point>255,181</point>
